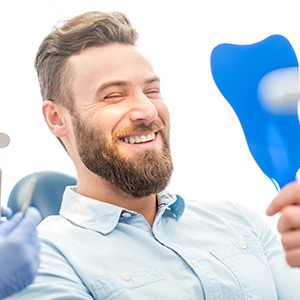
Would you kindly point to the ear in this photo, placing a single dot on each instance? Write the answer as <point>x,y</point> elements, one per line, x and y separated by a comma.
<point>56,118</point>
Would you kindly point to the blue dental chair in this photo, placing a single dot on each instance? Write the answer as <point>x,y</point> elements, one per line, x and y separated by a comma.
<point>47,192</point>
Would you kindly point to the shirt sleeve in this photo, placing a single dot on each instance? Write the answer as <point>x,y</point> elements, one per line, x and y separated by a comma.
<point>286,278</point>
<point>56,279</point>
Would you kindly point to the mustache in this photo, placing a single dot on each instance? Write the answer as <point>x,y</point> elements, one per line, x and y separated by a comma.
<point>153,126</point>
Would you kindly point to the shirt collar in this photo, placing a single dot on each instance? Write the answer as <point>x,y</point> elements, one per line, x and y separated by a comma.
<point>104,217</point>
<point>171,201</point>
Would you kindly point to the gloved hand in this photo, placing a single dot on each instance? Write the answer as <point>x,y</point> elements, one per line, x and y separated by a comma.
<point>6,212</point>
<point>19,251</point>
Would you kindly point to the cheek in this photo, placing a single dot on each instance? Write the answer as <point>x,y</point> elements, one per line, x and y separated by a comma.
<point>107,118</point>
<point>163,113</point>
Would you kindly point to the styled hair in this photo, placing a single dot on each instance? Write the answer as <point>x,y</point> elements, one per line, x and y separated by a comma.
<point>83,31</point>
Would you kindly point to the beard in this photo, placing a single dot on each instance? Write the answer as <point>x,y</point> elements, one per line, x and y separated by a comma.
<point>144,174</point>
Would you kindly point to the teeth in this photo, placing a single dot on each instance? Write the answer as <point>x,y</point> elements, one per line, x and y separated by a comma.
<point>139,139</point>
<point>143,139</point>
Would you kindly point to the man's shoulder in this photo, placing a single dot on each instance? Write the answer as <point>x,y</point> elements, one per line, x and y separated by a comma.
<point>53,226</point>
<point>225,209</point>
<point>215,205</point>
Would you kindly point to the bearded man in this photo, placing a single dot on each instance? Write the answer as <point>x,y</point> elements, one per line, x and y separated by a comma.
<point>120,234</point>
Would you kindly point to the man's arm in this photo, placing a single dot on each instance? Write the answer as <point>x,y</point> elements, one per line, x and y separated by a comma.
<point>56,278</point>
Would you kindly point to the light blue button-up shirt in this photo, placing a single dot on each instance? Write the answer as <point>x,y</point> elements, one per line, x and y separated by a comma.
<point>194,250</point>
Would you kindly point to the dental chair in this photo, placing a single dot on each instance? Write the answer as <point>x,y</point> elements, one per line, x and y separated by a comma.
<point>45,192</point>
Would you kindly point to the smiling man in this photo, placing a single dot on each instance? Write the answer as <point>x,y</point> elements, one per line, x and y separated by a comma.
<point>120,234</point>
<point>119,127</point>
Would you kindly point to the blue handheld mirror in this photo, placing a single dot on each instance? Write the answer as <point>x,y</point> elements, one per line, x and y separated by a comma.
<point>261,83</point>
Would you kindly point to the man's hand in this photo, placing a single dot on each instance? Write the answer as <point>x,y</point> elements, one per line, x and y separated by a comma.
<point>287,202</point>
<point>19,251</point>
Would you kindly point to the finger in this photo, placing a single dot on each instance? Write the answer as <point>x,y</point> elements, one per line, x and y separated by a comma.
<point>290,194</point>
<point>7,226</point>
<point>290,240</point>
<point>289,219</point>
<point>6,212</point>
<point>30,219</point>
<point>21,223</point>
<point>26,229</point>
<point>293,257</point>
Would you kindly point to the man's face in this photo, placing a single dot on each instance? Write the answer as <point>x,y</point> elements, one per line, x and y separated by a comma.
<point>121,125</point>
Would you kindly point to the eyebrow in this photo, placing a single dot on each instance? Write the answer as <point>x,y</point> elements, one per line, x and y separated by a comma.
<point>153,79</point>
<point>110,83</point>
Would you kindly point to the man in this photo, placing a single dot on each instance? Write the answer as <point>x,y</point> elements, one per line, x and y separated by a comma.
<point>119,234</point>
<point>19,250</point>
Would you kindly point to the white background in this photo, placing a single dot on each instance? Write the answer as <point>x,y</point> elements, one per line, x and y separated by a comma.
<point>211,157</point>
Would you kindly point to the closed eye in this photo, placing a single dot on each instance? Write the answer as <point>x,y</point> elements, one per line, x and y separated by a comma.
<point>153,92</point>
<point>113,96</point>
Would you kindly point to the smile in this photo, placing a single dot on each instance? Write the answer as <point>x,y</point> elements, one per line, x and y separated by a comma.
<point>139,139</point>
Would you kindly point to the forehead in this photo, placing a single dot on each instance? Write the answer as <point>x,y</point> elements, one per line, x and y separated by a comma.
<point>109,62</point>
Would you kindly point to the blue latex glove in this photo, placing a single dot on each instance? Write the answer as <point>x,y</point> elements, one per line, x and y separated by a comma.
<point>6,212</point>
<point>19,251</point>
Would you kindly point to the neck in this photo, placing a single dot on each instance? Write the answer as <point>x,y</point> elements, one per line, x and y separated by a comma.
<point>99,189</point>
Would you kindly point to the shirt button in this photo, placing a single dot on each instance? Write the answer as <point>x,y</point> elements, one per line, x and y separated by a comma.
<point>126,214</point>
<point>243,244</point>
<point>125,276</point>
<point>194,262</point>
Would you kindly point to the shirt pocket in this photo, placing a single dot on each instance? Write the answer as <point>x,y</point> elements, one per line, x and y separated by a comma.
<point>246,261</point>
<point>125,285</point>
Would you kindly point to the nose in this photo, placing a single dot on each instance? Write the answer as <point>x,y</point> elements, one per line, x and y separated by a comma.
<point>142,109</point>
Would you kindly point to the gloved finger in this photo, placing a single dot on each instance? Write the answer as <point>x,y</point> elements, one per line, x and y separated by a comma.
<point>31,218</point>
<point>26,231</point>
<point>7,226</point>
<point>20,222</point>
<point>6,212</point>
